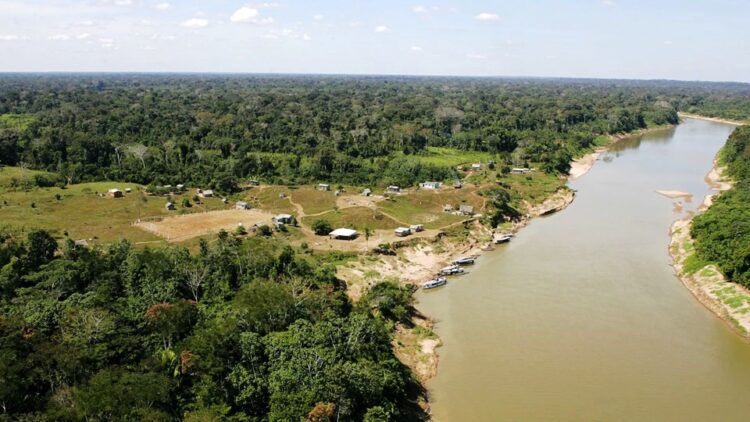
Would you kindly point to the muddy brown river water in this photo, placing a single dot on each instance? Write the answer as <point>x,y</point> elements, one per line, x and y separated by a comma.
<point>581,317</point>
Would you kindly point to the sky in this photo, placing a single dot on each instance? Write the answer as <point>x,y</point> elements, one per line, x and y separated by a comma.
<point>634,39</point>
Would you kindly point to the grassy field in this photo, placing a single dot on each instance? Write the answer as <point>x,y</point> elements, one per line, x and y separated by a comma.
<point>83,214</point>
<point>534,187</point>
<point>451,157</point>
<point>267,197</point>
<point>7,174</point>
<point>426,207</point>
<point>312,200</point>
<point>355,217</point>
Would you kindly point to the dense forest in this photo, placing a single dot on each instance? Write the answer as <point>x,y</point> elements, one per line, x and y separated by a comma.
<point>722,233</point>
<point>242,330</point>
<point>219,131</point>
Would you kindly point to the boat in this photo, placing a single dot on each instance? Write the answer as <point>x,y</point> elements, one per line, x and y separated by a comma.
<point>465,261</point>
<point>437,282</point>
<point>451,270</point>
<point>503,239</point>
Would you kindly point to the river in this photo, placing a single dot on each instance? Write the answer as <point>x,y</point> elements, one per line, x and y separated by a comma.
<point>581,317</point>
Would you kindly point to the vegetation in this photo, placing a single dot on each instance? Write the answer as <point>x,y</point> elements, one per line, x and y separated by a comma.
<point>722,233</point>
<point>242,330</point>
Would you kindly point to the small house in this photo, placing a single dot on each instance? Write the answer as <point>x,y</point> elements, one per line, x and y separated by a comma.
<point>180,187</point>
<point>337,193</point>
<point>283,219</point>
<point>128,190</point>
<point>367,192</point>
<point>207,193</point>
<point>242,206</point>
<point>343,234</point>
<point>169,206</point>
<point>447,208</point>
<point>476,166</point>
<point>466,209</point>
<point>81,243</point>
<point>114,193</point>
<point>520,170</point>
<point>324,187</point>
<point>254,183</point>
<point>416,228</point>
<point>430,185</point>
<point>282,195</point>
<point>393,189</point>
<point>457,184</point>
<point>402,231</point>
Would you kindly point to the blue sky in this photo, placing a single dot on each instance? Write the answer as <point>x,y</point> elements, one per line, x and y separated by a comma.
<point>688,39</point>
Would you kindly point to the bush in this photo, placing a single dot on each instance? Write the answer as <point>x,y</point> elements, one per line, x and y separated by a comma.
<point>322,227</point>
<point>264,230</point>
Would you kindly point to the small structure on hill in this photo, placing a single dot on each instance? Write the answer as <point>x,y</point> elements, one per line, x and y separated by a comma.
<point>128,190</point>
<point>447,208</point>
<point>343,234</point>
<point>476,166</point>
<point>367,192</point>
<point>457,184</point>
<point>254,183</point>
<point>114,193</point>
<point>337,193</point>
<point>180,187</point>
<point>417,228</point>
<point>207,193</point>
<point>81,243</point>
<point>466,209</point>
<point>430,185</point>
<point>242,205</point>
<point>521,170</point>
<point>402,231</point>
<point>282,219</point>
<point>324,187</point>
<point>282,195</point>
<point>169,206</point>
<point>393,189</point>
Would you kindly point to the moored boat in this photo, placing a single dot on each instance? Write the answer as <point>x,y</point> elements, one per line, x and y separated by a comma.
<point>465,261</point>
<point>451,270</point>
<point>503,238</point>
<point>437,282</point>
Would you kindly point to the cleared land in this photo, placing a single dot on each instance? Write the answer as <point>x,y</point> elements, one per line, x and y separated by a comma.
<point>184,227</point>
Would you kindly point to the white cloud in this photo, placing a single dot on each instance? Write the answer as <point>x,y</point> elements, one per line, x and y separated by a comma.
<point>318,17</point>
<point>415,48</point>
<point>668,42</point>
<point>83,36</point>
<point>382,28</point>
<point>249,15</point>
<point>85,23</point>
<point>476,56</point>
<point>608,2</point>
<point>487,17</point>
<point>306,37</point>
<point>195,23</point>
<point>354,24</point>
<point>419,9</point>
<point>162,6</point>
<point>12,38</point>
<point>123,2</point>
<point>58,37</point>
<point>107,42</point>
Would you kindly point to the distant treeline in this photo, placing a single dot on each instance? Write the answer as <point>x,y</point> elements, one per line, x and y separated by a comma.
<point>722,233</point>
<point>219,130</point>
<point>240,331</point>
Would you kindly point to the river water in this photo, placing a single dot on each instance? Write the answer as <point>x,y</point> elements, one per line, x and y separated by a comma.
<point>580,317</point>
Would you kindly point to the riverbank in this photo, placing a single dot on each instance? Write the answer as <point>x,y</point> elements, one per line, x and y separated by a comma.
<point>729,301</point>
<point>583,165</point>
<point>711,119</point>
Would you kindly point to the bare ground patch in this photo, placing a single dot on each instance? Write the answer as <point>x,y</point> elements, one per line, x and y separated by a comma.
<point>184,227</point>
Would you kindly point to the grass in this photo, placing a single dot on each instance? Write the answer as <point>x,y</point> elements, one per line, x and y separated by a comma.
<point>730,297</point>
<point>7,174</point>
<point>355,217</point>
<point>83,214</point>
<point>16,121</point>
<point>534,187</point>
<point>312,200</point>
<point>450,157</point>
<point>268,199</point>
<point>426,207</point>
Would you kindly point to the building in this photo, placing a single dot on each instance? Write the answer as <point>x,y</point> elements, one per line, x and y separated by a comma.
<point>324,187</point>
<point>457,184</point>
<point>367,192</point>
<point>466,209</point>
<point>81,243</point>
<point>447,208</point>
<point>402,231</point>
<point>114,193</point>
<point>128,190</point>
<point>430,185</point>
<point>242,205</point>
<point>169,206</point>
<point>343,234</point>
<point>180,187</point>
<point>393,189</point>
<point>520,170</point>
<point>283,219</point>
<point>208,193</point>
<point>476,166</point>
<point>416,228</point>
<point>254,183</point>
